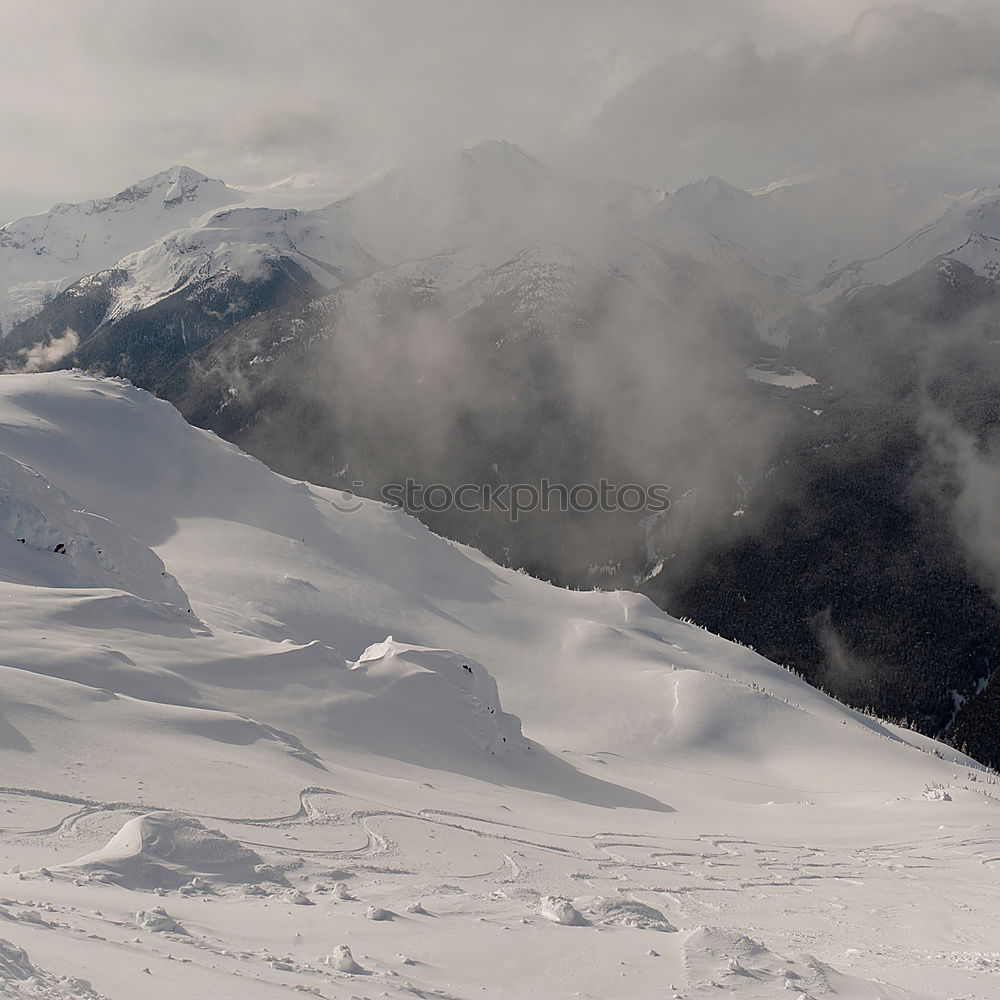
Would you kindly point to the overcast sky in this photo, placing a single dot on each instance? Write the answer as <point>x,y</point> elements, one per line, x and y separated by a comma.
<point>94,96</point>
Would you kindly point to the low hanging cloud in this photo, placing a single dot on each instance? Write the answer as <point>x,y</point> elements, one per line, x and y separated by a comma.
<point>972,470</point>
<point>43,355</point>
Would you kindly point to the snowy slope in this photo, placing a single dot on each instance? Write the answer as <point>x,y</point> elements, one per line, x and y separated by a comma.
<point>213,515</point>
<point>41,255</point>
<point>478,784</point>
<point>968,232</point>
<point>237,244</point>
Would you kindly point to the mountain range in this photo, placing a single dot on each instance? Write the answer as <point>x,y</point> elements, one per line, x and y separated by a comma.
<point>821,234</point>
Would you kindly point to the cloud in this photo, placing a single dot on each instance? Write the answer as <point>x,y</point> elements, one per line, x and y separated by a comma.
<point>43,355</point>
<point>906,87</point>
<point>843,670</point>
<point>252,90</point>
<point>972,482</point>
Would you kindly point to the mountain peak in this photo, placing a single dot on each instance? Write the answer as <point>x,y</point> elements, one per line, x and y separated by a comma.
<point>708,187</point>
<point>700,194</point>
<point>178,183</point>
<point>40,255</point>
<point>501,153</point>
<point>179,173</point>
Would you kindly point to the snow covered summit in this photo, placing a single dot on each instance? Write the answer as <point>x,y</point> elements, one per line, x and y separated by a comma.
<point>42,254</point>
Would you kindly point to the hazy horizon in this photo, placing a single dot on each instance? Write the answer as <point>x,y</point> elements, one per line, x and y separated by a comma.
<point>651,93</point>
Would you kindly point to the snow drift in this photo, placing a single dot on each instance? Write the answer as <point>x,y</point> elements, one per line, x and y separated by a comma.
<point>167,850</point>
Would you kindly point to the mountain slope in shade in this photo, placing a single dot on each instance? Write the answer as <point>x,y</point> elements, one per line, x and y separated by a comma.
<point>458,780</point>
<point>41,255</point>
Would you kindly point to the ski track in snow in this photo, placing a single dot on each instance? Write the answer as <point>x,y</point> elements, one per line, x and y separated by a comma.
<point>707,880</point>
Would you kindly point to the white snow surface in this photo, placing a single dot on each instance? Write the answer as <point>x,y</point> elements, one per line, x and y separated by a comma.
<point>242,244</point>
<point>252,718</point>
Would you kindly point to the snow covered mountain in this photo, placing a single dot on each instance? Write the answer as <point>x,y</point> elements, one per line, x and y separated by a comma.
<point>436,226</point>
<point>166,300</point>
<point>799,229</point>
<point>807,235</point>
<point>835,228</point>
<point>241,245</point>
<point>89,267</point>
<point>43,254</point>
<point>967,232</point>
<point>485,192</point>
<point>259,736</point>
